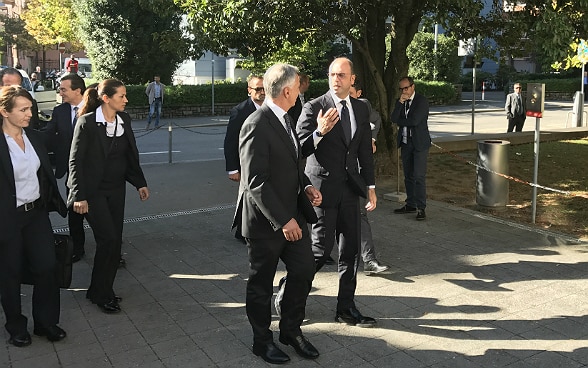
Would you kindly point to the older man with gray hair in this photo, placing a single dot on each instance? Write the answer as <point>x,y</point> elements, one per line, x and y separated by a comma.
<point>274,205</point>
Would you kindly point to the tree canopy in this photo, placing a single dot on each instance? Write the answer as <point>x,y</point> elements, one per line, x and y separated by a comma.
<point>51,22</point>
<point>132,40</point>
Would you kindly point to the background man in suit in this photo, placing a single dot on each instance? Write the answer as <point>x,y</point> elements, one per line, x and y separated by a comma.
<point>155,92</point>
<point>515,109</point>
<point>295,111</point>
<point>411,113</point>
<point>10,77</point>
<point>334,147</point>
<point>368,249</point>
<point>60,133</point>
<point>275,202</point>
<point>238,115</point>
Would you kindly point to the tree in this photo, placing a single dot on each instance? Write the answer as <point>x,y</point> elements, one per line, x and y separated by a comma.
<point>13,33</point>
<point>132,40</point>
<point>51,22</point>
<point>549,29</point>
<point>256,28</point>
<point>424,63</point>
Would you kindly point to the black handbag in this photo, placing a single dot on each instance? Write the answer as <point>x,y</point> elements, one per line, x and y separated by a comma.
<point>63,267</point>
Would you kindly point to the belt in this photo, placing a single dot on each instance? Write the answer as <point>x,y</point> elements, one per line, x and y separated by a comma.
<point>29,206</point>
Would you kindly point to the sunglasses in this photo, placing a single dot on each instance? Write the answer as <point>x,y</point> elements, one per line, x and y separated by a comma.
<point>257,89</point>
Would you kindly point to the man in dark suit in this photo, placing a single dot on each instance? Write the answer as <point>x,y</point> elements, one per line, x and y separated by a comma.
<point>411,113</point>
<point>274,205</point>
<point>295,110</point>
<point>238,115</point>
<point>335,133</point>
<point>10,77</point>
<point>516,112</point>
<point>60,133</point>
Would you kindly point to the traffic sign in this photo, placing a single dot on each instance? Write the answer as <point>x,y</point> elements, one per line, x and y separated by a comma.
<point>583,51</point>
<point>61,47</point>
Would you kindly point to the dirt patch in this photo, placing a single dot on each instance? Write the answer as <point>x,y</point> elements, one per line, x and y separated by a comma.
<point>562,166</point>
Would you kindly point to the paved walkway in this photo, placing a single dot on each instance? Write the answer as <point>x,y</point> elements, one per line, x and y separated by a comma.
<point>465,290</point>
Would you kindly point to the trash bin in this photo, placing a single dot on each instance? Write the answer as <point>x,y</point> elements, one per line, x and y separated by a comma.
<point>492,189</point>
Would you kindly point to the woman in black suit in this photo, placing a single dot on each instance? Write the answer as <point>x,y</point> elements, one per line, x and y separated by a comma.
<point>28,191</point>
<point>103,157</point>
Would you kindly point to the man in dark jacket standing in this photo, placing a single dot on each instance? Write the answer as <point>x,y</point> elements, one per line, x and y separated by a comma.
<point>238,115</point>
<point>60,133</point>
<point>411,113</point>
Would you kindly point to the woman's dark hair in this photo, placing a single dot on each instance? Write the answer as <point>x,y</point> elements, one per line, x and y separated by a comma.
<point>93,96</point>
<point>8,95</point>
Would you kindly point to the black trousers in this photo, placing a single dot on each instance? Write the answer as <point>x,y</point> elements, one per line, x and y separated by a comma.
<point>516,123</point>
<point>264,255</point>
<point>414,166</point>
<point>105,216</point>
<point>31,245</point>
<point>340,224</point>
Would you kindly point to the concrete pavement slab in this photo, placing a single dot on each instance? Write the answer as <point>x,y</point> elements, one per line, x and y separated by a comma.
<point>465,290</point>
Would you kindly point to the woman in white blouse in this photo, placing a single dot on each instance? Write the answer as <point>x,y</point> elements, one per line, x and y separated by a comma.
<point>28,191</point>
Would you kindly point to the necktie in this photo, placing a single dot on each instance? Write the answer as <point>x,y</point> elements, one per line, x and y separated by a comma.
<point>288,121</point>
<point>519,109</point>
<point>405,129</point>
<point>406,107</point>
<point>346,121</point>
<point>75,119</point>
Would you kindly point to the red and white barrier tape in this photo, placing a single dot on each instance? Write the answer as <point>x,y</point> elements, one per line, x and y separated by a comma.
<point>509,177</point>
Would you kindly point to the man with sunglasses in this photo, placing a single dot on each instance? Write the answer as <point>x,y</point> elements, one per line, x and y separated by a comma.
<point>515,109</point>
<point>237,117</point>
<point>411,113</point>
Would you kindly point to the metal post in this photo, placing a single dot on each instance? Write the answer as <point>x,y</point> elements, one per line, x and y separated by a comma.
<point>169,150</point>
<point>473,94</point>
<point>212,83</point>
<point>535,167</point>
<point>435,52</point>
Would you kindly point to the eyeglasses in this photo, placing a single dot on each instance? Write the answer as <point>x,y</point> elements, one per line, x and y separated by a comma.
<point>404,89</point>
<point>517,88</point>
<point>337,75</point>
<point>257,89</point>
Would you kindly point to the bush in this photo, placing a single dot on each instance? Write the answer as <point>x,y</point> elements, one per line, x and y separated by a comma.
<point>182,95</point>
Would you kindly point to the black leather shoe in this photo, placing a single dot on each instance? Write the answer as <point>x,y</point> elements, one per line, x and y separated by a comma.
<point>421,214</point>
<point>330,261</point>
<point>374,267</point>
<point>352,317</point>
<point>77,257</point>
<point>117,298</point>
<point>121,262</point>
<point>53,333</point>
<point>20,340</point>
<point>110,307</point>
<point>302,346</point>
<point>405,209</point>
<point>270,353</point>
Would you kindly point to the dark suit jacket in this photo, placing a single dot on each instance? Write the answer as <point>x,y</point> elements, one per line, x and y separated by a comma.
<point>416,121</point>
<point>88,158</point>
<point>48,185</point>
<point>296,110</point>
<point>238,115</point>
<point>334,163</point>
<point>59,135</point>
<point>272,178</point>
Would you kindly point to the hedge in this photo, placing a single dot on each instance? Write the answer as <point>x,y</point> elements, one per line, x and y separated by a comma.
<point>181,95</point>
